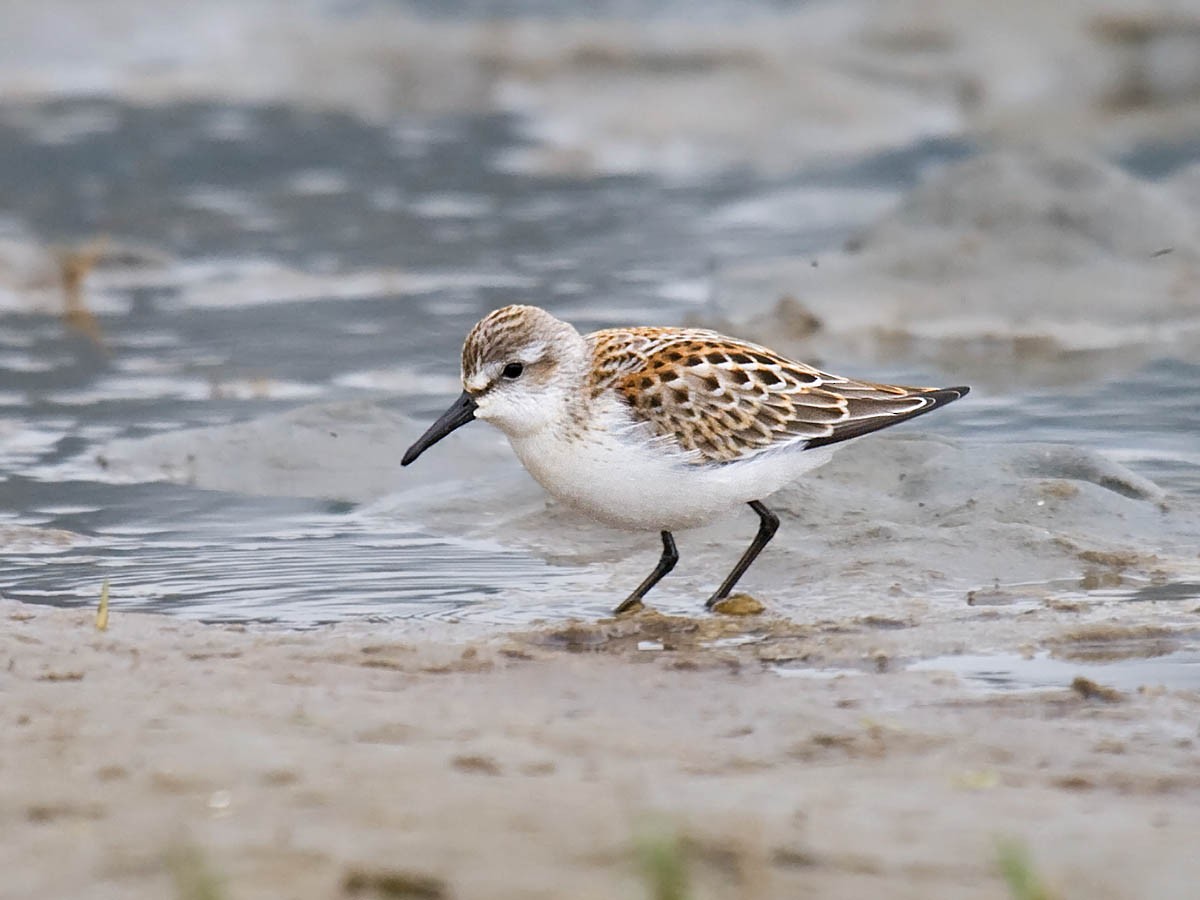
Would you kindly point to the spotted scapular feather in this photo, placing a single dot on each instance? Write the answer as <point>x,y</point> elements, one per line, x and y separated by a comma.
<point>721,400</point>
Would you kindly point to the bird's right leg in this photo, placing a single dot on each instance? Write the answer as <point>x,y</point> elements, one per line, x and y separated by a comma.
<point>666,563</point>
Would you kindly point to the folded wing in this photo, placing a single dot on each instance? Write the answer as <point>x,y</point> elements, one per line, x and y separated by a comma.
<point>726,400</point>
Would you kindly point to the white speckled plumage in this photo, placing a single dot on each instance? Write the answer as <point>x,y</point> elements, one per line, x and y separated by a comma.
<point>661,428</point>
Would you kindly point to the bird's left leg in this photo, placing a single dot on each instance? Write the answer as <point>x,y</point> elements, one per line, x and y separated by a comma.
<point>768,523</point>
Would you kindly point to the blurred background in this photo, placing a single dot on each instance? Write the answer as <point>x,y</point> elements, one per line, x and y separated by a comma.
<point>241,242</point>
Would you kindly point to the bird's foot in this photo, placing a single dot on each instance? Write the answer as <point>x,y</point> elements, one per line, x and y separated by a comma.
<point>630,606</point>
<point>735,605</point>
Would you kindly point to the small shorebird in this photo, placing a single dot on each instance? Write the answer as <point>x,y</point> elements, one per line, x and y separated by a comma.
<point>658,429</point>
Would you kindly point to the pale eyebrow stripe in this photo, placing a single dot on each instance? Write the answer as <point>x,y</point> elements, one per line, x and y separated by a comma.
<point>533,353</point>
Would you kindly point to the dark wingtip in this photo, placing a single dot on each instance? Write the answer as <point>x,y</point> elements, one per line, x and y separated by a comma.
<point>940,397</point>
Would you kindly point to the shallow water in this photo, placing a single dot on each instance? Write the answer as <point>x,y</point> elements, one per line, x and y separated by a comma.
<point>1014,672</point>
<point>309,258</point>
<point>229,187</point>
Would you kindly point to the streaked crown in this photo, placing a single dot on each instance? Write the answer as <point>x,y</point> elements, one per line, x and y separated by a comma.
<point>514,342</point>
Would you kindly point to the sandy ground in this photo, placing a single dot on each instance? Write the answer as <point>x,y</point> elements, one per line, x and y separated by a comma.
<point>360,760</point>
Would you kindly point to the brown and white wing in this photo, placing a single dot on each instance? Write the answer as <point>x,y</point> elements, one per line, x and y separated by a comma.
<point>728,400</point>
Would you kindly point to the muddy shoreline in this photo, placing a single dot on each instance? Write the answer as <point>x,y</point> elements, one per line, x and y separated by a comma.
<point>361,760</point>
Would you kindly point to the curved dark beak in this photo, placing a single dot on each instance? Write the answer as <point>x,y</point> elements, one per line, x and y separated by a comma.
<point>459,414</point>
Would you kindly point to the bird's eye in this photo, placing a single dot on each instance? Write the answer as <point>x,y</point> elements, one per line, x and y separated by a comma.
<point>513,370</point>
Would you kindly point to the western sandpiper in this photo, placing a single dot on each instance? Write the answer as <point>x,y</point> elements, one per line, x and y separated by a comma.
<point>659,429</point>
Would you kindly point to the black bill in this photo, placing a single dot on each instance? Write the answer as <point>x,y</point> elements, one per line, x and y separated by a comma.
<point>459,414</point>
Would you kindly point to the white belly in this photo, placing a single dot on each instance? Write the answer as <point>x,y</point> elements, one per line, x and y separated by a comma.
<point>625,481</point>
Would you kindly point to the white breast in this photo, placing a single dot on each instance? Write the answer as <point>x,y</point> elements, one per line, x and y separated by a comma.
<point>618,473</point>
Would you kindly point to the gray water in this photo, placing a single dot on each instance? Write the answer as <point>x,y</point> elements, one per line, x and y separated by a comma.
<point>435,199</point>
<point>1014,672</point>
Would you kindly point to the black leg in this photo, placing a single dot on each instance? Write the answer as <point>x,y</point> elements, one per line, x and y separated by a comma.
<point>766,530</point>
<point>666,563</point>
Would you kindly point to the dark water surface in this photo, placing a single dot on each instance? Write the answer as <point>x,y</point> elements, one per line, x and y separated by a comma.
<point>225,192</point>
